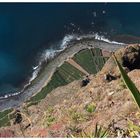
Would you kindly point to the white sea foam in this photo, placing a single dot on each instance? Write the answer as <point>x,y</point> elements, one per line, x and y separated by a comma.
<point>48,54</point>
<point>34,75</point>
<point>66,40</point>
<point>34,68</point>
<point>98,37</point>
<point>51,53</point>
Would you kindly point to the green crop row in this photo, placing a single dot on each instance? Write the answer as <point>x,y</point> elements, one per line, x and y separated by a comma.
<point>84,59</point>
<point>4,117</point>
<point>91,60</point>
<point>63,75</point>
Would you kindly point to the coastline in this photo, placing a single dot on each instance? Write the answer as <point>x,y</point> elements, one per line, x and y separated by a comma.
<point>43,78</point>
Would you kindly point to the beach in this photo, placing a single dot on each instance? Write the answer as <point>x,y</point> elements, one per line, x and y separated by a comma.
<point>47,70</point>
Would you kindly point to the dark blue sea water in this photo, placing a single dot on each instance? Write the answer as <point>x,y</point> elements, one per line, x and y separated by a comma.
<point>26,30</point>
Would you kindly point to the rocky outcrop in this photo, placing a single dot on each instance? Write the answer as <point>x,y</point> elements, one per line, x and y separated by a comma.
<point>131,57</point>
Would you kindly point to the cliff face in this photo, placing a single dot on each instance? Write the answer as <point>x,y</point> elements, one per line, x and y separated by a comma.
<point>73,110</point>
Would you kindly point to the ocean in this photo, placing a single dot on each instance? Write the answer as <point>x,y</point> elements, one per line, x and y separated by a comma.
<point>30,32</point>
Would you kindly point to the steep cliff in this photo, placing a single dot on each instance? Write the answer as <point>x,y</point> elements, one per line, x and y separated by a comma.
<point>73,110</point>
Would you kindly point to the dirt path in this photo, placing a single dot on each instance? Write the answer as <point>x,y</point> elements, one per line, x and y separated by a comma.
<point>77,66</point>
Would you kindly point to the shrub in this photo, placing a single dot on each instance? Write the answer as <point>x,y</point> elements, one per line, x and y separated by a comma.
<point>90,107</point>
<point>99,132</point>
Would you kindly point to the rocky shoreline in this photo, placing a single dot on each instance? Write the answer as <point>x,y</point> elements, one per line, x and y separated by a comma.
<point>43,78</point>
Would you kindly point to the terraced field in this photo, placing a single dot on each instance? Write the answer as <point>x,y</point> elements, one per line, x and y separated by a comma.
<point>98,58</point>
<point>63,75</point>
<point>91,60</point>
<point>85,59</point>
<point>4,117</point>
